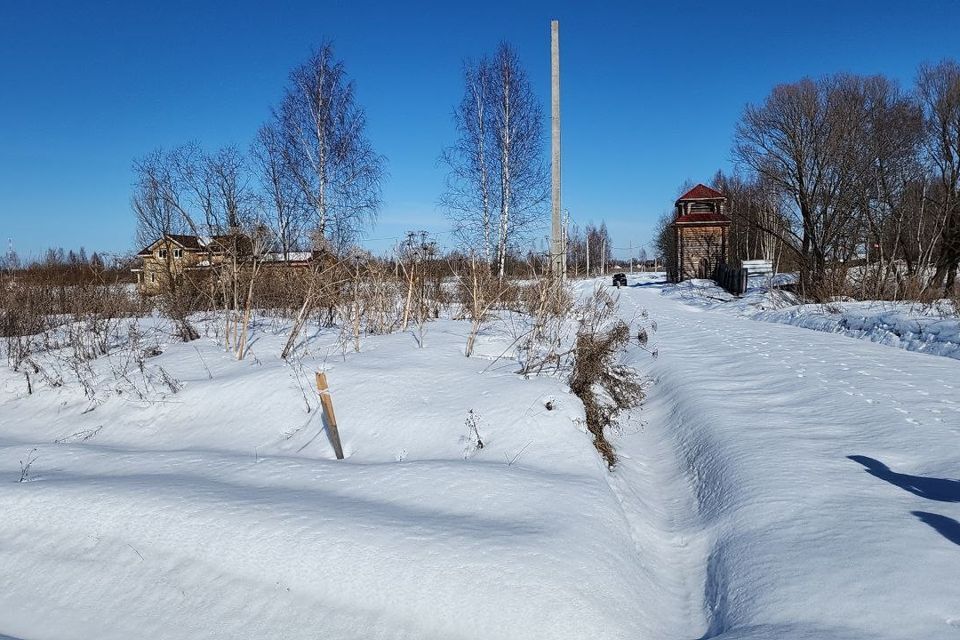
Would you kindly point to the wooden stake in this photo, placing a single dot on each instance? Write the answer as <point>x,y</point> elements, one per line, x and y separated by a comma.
<point>326,401</point>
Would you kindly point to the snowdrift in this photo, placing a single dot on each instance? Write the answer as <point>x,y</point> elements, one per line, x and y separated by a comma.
<point>932,329</point>
<point>218,510</point>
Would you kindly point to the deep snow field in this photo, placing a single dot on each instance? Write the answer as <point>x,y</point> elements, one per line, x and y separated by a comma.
<point>777,483</point>
<point>220,511</point>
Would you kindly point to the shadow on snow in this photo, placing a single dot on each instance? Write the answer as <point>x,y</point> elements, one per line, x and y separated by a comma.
<point>939,489</point>
<point>947,527</point>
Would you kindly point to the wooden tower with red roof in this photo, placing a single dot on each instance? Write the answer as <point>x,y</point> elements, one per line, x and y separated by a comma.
<point>698,235</point>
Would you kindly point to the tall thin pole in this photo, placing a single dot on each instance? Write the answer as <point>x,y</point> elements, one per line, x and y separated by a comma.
<point>603,256</point>
<point>588,253</point>
<point>557,250</point>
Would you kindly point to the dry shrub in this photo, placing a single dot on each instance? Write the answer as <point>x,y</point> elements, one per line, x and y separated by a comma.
<point>833,283</point>
<point>370,302</point>
<point>604,385</point>
<point>549,303</point>
<point>597,375</point>
<point>479,291</point>
<point>35,304</point>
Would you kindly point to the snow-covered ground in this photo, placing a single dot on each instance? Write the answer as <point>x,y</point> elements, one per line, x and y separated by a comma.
<point>220,511</point>
<point>777,483</point>
<point>825,470</point>
<point>928,328</point>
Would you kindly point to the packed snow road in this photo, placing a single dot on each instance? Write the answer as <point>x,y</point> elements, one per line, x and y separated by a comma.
<point>815,491</point>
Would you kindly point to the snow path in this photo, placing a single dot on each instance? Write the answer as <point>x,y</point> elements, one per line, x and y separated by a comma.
<point>821,468</point>
<point>660,510</point>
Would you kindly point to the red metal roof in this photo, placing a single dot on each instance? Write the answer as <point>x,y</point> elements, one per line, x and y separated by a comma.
<point>701,192</point>
<point>702,217</point>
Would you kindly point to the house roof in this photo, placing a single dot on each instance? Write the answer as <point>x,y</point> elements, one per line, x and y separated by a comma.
<point>701,192</point>
<point>702,217</point>
<point>187,242</point>
<point>195,243</point>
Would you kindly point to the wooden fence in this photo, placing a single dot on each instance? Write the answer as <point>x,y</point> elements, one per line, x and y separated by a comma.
<point>731,278</point>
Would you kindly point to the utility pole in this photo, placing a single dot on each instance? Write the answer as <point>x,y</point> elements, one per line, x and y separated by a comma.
<point>603,257</point>
<point>564,236</point>
<point>631,257</point>
<point>557,249</point>
<point>588,253</point>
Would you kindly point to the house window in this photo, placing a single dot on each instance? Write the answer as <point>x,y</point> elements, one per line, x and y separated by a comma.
<point>153,277</point>
<point>162,253</point>
<point>177,252</point>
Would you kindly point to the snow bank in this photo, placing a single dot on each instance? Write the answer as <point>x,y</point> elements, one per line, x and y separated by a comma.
<point>932,329</point>
<point>896,325</point>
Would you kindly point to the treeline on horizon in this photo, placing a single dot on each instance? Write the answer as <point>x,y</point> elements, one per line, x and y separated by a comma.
<point>853,181</point>
<point>68,267</point>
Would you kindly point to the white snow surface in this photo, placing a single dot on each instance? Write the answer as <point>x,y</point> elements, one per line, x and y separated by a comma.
<point>777,483</point>
<point>825,472</point>
<point>220,511</point>
<point>932,329</point>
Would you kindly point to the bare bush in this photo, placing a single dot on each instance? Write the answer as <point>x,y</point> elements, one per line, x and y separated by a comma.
<point>25,466</point>
<point>548,303</point>
<point>472,443</point>
<point>605,385</point>
<point>479,292</point>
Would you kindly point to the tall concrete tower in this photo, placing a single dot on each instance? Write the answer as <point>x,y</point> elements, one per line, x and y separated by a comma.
<point>558,252</point>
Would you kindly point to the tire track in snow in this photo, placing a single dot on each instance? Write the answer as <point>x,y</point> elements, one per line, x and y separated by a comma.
<point>659,505</point>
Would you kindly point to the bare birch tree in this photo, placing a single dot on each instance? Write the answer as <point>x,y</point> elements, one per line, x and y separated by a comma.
<point>278,190</point>
<point>156,215</point>
<point>326,148</point>
<point>497,182</point>
<point>468,200</point>
<point>518,134</point>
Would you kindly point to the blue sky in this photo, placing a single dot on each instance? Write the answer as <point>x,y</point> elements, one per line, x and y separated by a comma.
<point>651,92</point>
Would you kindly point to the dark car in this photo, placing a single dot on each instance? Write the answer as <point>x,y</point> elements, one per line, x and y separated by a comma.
<point>619,280</point>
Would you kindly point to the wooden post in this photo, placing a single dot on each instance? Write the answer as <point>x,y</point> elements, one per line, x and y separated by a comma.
<point>327,403</point>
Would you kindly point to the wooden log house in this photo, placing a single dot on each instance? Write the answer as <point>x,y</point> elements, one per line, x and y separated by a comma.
<point>173,258</point>
<point>698,235</point>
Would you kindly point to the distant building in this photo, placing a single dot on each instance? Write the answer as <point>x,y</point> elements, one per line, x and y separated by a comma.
<point>172,259</point>
<point>698,238</point>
